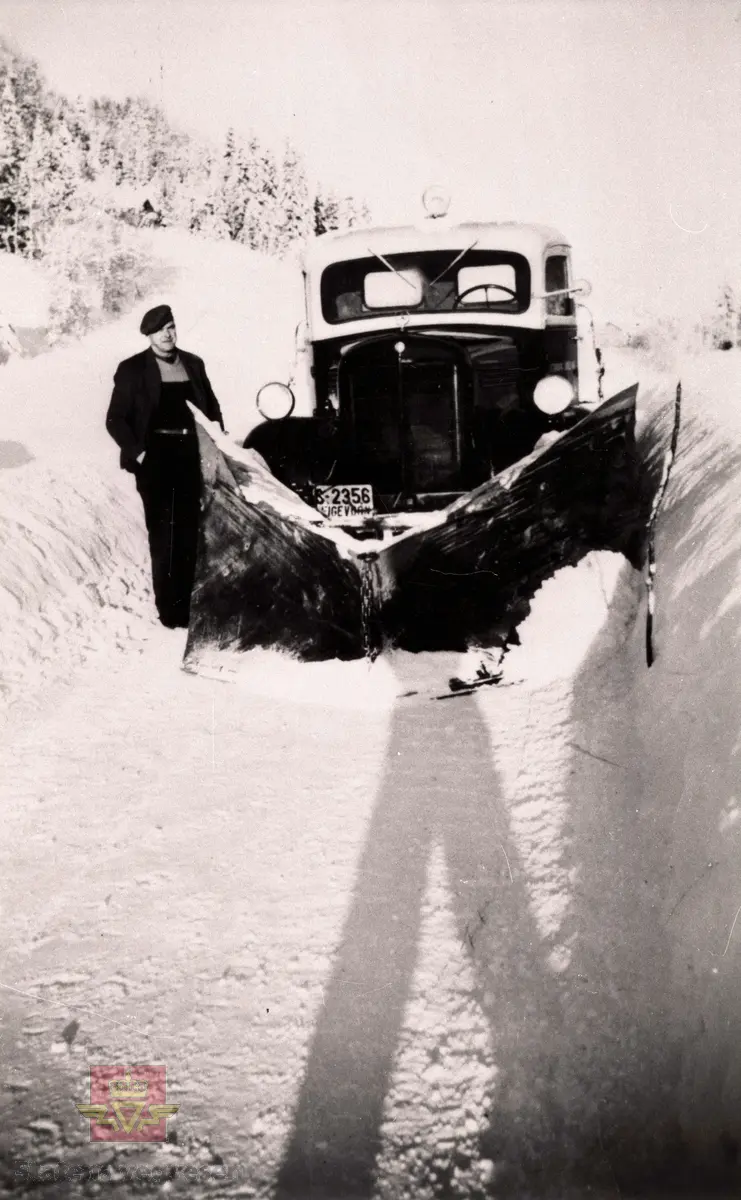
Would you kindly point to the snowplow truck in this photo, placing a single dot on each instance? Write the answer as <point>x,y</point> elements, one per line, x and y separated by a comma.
<point>444,462</point>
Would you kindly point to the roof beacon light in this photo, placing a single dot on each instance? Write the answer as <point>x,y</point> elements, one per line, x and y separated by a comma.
<point>436,201</point>
<point>553,394</point>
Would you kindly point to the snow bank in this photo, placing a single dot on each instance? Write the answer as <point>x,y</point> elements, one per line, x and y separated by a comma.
<point>75,562</point>
<point>73,579</point>
<point>624,804</point>
<point>688,721</point>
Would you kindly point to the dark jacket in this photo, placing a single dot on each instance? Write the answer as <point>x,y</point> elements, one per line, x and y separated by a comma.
<point>136,392</point>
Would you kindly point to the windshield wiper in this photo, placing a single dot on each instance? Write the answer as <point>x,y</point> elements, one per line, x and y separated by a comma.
<point>449,267</point>
<point>390,266</point>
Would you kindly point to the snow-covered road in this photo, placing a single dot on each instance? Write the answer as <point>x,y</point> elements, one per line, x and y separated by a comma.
<point>385,946</point>
<point>365,940</point>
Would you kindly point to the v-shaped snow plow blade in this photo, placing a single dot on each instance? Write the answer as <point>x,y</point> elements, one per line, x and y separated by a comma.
<point>272,572</point>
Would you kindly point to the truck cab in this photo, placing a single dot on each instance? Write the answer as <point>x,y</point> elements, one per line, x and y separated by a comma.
<point>434,356</point>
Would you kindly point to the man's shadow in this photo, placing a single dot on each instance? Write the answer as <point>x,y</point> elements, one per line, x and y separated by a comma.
<point>439,788</point>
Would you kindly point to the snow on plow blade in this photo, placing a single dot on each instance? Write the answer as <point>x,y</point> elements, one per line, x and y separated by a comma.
<point>273,573</point>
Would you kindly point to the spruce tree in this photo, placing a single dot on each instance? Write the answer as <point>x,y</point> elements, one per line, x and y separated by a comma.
<point>261,189</point>
<point>53,177</point>
<point>57,154</point>
<point>326,212</point>
<point>13,147</point>
<point>229,195</point>
<point>294,217</point>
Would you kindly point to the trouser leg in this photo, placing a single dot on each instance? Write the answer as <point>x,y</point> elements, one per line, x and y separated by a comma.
<point>170,490</point>
<point>185,512</point>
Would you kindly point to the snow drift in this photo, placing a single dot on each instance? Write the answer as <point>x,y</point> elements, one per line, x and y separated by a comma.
<point>73,579</point>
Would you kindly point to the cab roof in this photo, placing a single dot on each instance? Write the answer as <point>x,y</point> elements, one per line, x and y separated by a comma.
<point>529,240</point>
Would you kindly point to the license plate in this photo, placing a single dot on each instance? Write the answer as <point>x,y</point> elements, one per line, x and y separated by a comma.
<point>337,502</point>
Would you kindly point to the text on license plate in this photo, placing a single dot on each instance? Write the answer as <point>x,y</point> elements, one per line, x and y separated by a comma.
<point>339,501</point>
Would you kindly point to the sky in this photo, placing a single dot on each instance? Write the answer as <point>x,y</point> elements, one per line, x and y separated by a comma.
<point>618,121</point>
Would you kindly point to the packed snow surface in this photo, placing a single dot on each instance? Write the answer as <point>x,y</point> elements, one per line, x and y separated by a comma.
<point>386,945</point>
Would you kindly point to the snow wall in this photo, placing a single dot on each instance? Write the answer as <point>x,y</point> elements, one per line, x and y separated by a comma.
<point>651,828</point>
<point>639,1017</point>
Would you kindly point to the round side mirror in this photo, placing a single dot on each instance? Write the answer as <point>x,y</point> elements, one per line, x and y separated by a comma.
<point>582,288</point>
<point>275,401</point>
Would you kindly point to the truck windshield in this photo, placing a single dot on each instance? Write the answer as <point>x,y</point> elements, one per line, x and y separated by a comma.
<point>426,281</point>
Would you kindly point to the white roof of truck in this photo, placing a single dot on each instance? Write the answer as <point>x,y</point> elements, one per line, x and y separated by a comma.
<point>529,240</point>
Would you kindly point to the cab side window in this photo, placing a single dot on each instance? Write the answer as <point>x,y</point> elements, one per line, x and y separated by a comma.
<point>557,278</point>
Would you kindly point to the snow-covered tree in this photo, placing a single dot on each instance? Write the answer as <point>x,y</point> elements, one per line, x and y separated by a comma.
<point>77,118</point>
<point>13,149</point>
<point>53,177</point>
<point>326,212</point>
<point>67,168</point>
<point>294,211</point>
<point>103,122</point>
<point>347,213</point>
<point>332,212</point>
<point>229,191</point>
<point>261,188</point>
<point>209,222</point>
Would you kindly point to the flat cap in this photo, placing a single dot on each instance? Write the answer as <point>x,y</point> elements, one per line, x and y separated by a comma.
<point>156,318</point>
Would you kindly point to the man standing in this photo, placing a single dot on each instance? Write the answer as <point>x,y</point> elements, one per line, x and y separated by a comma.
<point>149,419</point>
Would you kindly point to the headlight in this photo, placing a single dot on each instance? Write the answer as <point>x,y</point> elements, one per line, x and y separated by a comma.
<point>553,394</point>
<point>275,401</point>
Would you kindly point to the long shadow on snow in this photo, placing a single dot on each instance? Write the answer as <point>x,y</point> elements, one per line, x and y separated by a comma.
<point>439,788</point>
<point>573,1043</point>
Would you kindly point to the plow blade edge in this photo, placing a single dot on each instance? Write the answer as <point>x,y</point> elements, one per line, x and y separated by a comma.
<point>272,573</point>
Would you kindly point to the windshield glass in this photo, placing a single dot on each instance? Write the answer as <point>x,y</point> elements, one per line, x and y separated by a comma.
<point>386,289</point>
<point>428,281</point>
